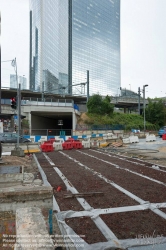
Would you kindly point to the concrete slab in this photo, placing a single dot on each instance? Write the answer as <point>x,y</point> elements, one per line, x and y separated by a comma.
<point>31,230</point>
<point>10,169</point>
<point>26,196</point>
<point>6,153</point>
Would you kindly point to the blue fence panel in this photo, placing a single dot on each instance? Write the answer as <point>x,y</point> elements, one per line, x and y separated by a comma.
<point>37,137</point>
<point>76,107</point>
<point>75,137</point>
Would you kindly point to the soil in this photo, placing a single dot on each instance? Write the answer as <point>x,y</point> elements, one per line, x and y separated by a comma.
<point>82,119</point>
<point>124,225</point>
<point>7,227</point>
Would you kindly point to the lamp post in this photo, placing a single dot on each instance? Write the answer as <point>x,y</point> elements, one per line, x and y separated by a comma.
<point>17,151</point>
<point>14,64</point>
<point>139,100</point>
<point>144,86</point>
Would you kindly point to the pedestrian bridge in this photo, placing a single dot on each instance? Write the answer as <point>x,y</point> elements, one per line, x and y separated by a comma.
<point>127,101</point>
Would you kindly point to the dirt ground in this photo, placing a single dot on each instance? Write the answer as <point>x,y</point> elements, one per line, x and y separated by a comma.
<point>124,225</point>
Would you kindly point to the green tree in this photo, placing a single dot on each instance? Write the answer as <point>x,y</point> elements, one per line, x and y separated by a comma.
<point>98,105</point>
<point>155,112</point>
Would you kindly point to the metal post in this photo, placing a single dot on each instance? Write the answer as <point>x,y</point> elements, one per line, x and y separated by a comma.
<point>87,85</point>
<point>42,91</point>
<point>19,108</point>
<point>18,113</point>
<point>139,100</point>
<point>144,105</point>
<point>18,130</point>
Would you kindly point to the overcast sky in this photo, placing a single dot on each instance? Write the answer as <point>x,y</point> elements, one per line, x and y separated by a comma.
<point>143,43</point>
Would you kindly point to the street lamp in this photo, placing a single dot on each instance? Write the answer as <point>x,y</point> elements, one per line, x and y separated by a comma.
<point>144,86</point>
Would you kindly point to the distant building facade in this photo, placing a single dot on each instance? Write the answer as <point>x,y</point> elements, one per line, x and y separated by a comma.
<point>21,79</point>
<point>128,93</point>
<point>69,37</point>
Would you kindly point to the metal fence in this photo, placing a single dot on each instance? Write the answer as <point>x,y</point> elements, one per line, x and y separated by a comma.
<point>100,127</point>
<point>46,132</point>
<point>47,102</point>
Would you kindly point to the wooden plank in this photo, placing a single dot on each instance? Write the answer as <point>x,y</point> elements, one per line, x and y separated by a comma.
<point>117,144</point>
<point>82,194</point>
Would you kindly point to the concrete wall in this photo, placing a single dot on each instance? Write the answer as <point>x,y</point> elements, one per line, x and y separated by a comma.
<point>12,198</point>
<point>39,122</point>
<point>8,180</point>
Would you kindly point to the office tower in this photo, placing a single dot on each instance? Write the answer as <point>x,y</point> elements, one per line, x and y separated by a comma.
<point>13,81</point>
<point>21,79</point>
<point>69,37</point>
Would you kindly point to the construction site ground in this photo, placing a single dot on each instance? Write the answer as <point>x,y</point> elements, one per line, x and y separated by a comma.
<point>112,189</point>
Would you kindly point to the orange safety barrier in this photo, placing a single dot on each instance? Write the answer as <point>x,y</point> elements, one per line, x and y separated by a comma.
<point>51,140</point>
<point>45,147</point>
<point>70,139</point>
<point>164,137</point>
<point>46,142</point>
<point>77,144</point>
<point>67,145</point>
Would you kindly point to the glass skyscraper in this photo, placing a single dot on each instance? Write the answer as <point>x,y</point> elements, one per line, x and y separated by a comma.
<point>21,79</point>
<point>69,37</point>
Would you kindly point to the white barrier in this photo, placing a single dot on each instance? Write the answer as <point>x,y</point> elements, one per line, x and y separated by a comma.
<point>133,139</point>
<point>94,144</point>
<point>126,140</point>
<point>57,146</point>
<point>110,134</point>
<point>61,140</point>
<point>42,139</point>
<point>86,144</point>
<point>32,138</point>
<point>150,137</point>
<point>114,137</point>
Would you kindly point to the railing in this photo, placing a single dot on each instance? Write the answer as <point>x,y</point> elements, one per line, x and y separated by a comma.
<point>47,132</point>
<point>47,102</point>
<point>100,127</point>
<point>126,99</point>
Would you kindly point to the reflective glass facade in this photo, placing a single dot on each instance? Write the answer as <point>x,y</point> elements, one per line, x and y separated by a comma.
<point>69,37</point>
<point>96,44</point>
<point>48,45</point>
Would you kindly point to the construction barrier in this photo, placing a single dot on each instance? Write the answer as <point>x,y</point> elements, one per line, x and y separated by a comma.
<point>94,144</point>
<point>42,139</point>
<point>133,139</point>
<point>130,139</point>
<point>77,144</point>
<point>86,144</point>
<point>150,137</point>
<point>57,146</point>
<point>51,140</point>
<point>164,137</point>
<point>47,147</point>
<point>126,140</point>
<point>67,145</point>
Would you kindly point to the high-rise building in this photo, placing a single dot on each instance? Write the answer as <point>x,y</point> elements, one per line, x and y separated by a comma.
<point>69,38</point>
<point>21,79</point>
